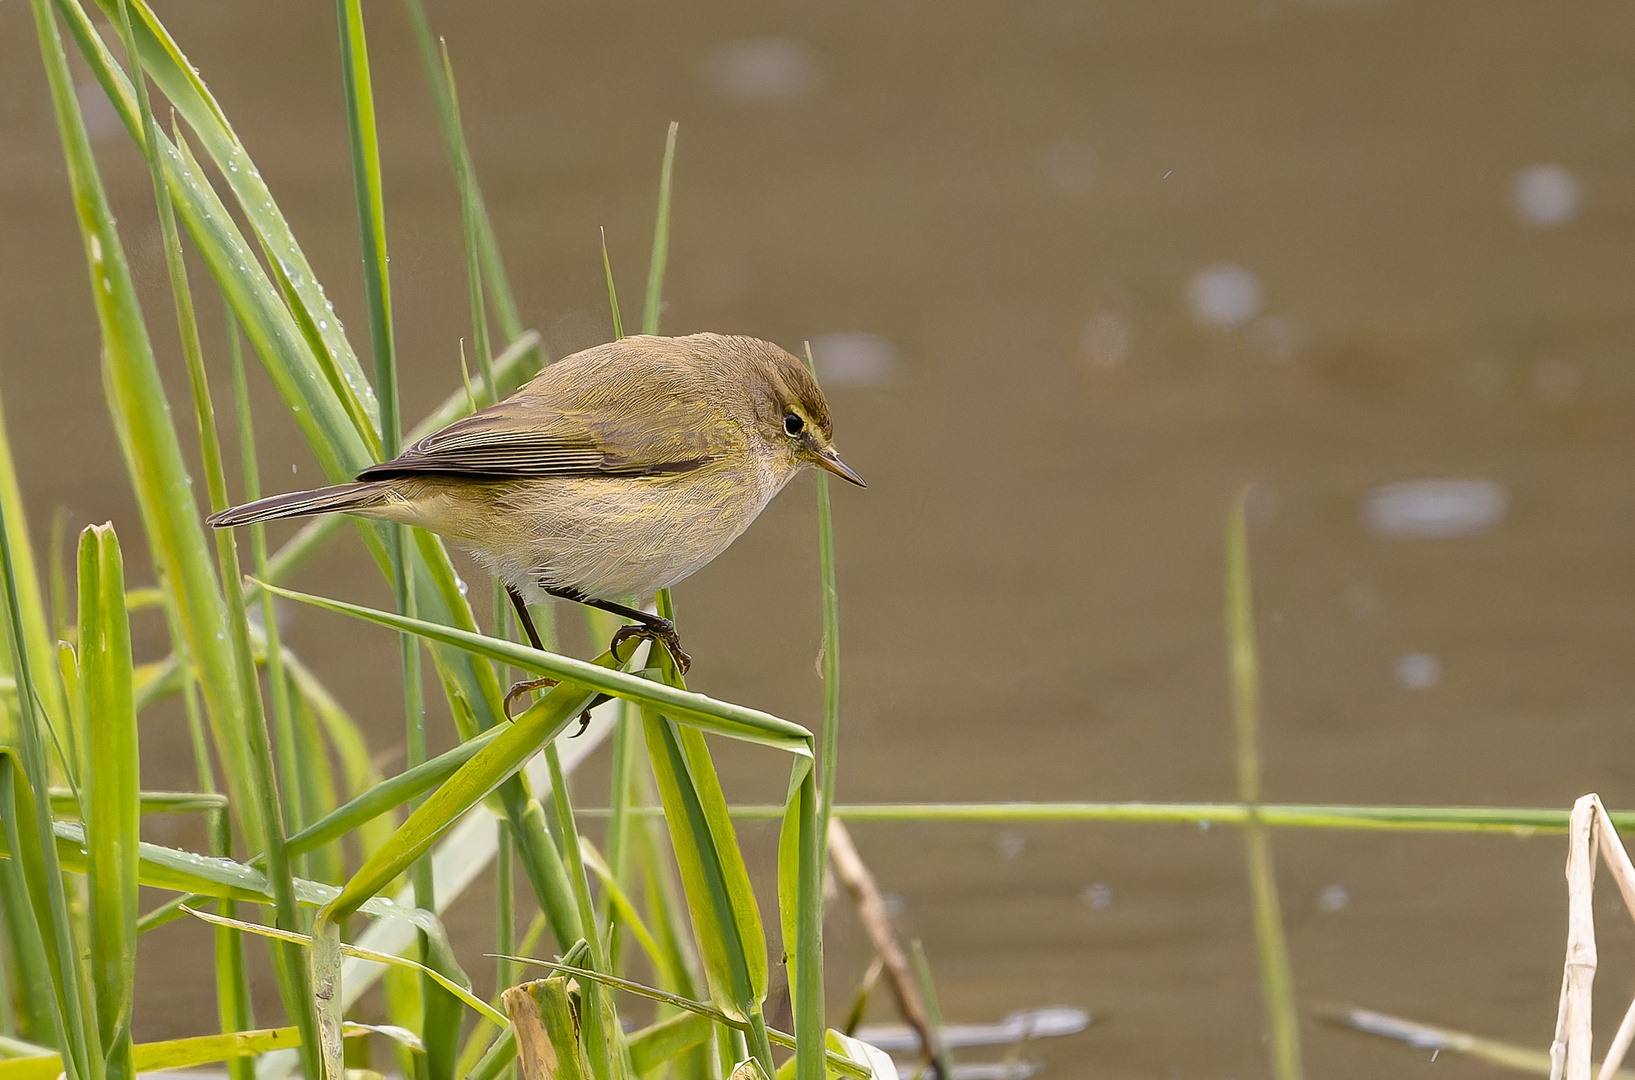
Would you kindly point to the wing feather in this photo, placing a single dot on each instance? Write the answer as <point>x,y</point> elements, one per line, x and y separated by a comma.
<point>526,436</point>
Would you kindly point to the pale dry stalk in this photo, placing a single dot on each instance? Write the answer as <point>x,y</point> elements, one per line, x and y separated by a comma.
<point>1591,833</point>
<point>871,908</point>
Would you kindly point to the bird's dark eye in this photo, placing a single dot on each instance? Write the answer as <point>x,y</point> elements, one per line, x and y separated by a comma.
<point>793,424</point>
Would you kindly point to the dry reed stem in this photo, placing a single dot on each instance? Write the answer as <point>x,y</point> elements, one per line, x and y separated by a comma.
<point>1591,833</point>
<point>871,908</point>
<point>536,1058</point>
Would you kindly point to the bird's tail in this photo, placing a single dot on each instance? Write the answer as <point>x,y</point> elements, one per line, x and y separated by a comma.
<point>342,498</point>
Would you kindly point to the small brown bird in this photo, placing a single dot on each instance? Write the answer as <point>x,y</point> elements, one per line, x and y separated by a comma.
<point>614,473</point>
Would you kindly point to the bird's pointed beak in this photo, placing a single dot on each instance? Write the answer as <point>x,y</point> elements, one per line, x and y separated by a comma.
<point>828,459</point>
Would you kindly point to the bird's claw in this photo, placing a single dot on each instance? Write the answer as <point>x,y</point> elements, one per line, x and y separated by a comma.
<point>520,689</point>
<point>663,631</point>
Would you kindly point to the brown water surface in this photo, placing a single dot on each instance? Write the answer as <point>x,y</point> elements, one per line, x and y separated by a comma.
<point>1024,203</point>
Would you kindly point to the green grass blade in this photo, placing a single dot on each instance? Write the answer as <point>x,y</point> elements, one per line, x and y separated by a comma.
<point>369,193</point>
<point>831,642</point>
<point>499,290</point>
<point>800,912</point>
<point>37,624</point>
<point>698,710</point>
<point>474,780</point>
<point>602,1036</point>
<point>44,935</point>
<point>470,229</point>
<point>180,82</point>
<point>264,820</point>
<point>112,792</point>
<point>654,307</point>
<point>612,292</point>
<point>286,739</point>
<point>726,919</point>
<point>1276,974</point>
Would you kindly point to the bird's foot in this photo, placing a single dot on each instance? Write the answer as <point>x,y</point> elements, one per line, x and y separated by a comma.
<point>524,688</point>
<point>660,630</point>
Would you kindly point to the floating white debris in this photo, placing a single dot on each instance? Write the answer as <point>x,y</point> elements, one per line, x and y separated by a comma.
<point>1069,167</point>
<point>1435,509</point>
<point>1418,671</point>
<point>1107,340</point>
<point>853,358</point>
<point>1098,895</point>
<point>1546,195</point>
<point>1224,295</point>
<point>1334,898</point>
<point>765,69</point>
<point>1011,844</point>
<point>1050,1022</point>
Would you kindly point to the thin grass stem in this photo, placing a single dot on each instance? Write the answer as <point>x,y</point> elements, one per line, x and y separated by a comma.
<point>1276,973</point>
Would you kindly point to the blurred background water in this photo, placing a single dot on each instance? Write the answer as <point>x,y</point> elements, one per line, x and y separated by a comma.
<point>1074,273</point>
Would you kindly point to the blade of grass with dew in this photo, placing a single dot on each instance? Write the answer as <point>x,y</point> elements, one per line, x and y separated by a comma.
<point>341,442</point>
<point>333,419</point>
<point>265,826</point>
<point>1276,975</point>
<point>440,1018</point>
<point>149,443</point>
<point>180,82</point>
<point>112,791</point>
<point>328,429</point>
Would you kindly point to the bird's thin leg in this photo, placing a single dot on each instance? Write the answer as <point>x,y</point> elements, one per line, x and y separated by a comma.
<point>524,618</point>
<point>652,626</point>
<point>528,685</point>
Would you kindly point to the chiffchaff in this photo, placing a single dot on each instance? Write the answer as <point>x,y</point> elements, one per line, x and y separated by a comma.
<point>614,473</point>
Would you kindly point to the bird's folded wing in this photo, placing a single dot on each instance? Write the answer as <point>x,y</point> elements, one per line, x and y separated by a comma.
<point>519,438</point>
